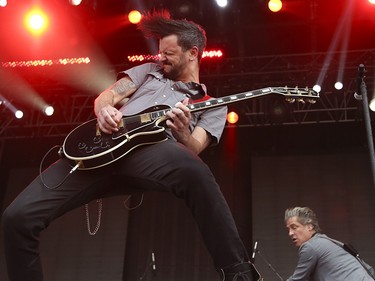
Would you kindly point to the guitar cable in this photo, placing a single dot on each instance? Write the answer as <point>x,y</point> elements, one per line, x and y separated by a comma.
<point>61,154</point>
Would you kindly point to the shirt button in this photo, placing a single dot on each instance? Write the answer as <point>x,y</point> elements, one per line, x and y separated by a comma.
<point>172,88</point>
<point>164,96</point>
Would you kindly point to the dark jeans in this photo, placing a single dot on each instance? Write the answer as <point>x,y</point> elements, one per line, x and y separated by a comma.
<point>167,166</point>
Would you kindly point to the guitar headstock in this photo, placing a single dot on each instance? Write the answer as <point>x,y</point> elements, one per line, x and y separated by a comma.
<point>302,95</point>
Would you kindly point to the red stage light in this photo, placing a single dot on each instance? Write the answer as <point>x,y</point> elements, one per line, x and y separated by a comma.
<point>30,63</point>
<point>206,54</point>
<point>212,54</point>
<point>232,117</point>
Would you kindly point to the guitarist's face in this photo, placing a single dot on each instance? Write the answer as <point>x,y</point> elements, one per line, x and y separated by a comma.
<point>173,59</point>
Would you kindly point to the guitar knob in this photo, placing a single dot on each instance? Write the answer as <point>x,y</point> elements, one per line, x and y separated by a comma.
<point>97,139</point>
<point>81,145</point>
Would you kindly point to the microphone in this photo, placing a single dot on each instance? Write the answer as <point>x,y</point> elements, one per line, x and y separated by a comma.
<point>153,261</point>
<point>255,250</point>
<point>361,75</point>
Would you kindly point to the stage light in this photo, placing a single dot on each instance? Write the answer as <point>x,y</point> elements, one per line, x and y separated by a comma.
<point>206,55</point>
<point>75,2</point>
<point>232,117</point>
<point>3,3</point>
<point>134,16</point>
<point>46,62</point>
<point>222,3</point>
<point>36,21</point>
<point>184,8</point>
<point>212,54</point>
<point>18,114</point>
<point>372,105</point>
<point>317,88</point>
<point>371,2</point>
<point>339,85</point>
<point>49,110</point>
<point>275,5</point>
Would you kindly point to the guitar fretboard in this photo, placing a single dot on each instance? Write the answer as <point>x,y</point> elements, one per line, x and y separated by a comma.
<point>293,93</point>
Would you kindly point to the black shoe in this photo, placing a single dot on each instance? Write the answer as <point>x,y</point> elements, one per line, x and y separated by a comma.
<point>240,272</point>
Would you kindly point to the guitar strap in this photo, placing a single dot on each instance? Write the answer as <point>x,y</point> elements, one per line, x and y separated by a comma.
<point>351,250</point>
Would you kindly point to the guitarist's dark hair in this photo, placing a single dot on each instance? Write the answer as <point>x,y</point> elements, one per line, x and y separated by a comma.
<point>158,24</point>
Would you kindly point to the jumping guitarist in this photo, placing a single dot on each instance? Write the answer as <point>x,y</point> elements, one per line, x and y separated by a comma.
<point>169,163</point>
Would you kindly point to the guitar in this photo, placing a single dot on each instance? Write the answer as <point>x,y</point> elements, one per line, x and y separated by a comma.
<point>89,148</point>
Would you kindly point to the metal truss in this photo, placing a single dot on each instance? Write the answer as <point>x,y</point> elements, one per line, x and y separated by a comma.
<point>226,77</point>
<point>72,111</point>
<point>297,70</point>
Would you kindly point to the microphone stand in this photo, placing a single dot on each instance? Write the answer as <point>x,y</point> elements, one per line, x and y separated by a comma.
<point>270,265</point>
<point>363,96</point>
<point>150,265</point>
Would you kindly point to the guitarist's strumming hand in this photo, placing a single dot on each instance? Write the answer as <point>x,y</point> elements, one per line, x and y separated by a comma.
<point>179,120</point>
<point>108,118</point>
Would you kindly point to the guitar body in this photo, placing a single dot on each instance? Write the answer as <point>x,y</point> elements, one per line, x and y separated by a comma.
<point>89,148</point>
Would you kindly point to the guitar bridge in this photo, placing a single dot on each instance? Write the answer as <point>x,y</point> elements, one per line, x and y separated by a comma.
<point>98,133</point>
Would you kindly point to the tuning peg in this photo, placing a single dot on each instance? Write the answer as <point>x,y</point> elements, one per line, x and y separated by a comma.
<point>301,100</point>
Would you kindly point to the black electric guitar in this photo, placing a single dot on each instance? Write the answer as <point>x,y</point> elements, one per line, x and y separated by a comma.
<point>89,148</point>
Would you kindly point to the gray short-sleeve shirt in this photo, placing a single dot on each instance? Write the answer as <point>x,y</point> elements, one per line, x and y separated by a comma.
<point>153,89</point>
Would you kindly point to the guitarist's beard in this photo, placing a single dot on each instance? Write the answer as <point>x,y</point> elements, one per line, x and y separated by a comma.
<point>173,71</point>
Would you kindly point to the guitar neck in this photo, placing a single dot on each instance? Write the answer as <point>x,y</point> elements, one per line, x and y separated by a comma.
<point>227,100</point>
<point>289,93</point>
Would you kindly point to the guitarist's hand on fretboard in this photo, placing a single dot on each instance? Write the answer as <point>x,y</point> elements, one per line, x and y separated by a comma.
<point>178,120</point>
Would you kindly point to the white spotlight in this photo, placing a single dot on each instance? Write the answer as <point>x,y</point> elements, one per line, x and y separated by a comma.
<point>18,114</point>
<point>317,88</point>
<point>3,3</point>
<point>49,110</point>
<point>372,105</point>
<point>75,2</point>
<point>339,85</point>
<point>222,3</point>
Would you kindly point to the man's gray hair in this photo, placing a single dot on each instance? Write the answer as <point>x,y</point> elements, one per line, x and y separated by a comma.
<point>304,216</point>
